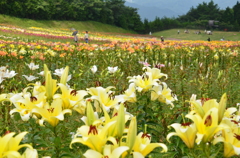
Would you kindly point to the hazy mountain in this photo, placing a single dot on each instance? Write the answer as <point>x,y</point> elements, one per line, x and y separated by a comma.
<point>150,9</point>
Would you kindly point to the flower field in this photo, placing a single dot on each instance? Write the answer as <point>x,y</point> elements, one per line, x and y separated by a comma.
<point>118,96</point>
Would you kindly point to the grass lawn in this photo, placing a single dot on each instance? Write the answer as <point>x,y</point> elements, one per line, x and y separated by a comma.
<point>217,35</point>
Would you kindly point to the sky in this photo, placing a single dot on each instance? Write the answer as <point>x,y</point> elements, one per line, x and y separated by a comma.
<point>149,9</point>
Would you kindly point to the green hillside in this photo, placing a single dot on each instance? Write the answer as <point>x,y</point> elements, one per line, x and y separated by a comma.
<point>91,26</point>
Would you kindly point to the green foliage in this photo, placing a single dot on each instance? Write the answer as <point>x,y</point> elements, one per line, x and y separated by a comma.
<point>210,11</point>
<point>112,12</point>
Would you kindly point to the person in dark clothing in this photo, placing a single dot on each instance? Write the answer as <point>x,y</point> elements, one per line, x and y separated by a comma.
<point>162,39</point>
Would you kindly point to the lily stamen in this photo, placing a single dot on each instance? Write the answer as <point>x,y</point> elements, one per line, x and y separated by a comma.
<point>186,124</point>
<point>115,114</point>
<point>237,136</point>
<point>93,130</point>
<point>50,110</point>
<point>208,121</point>
<point>146,135</point>
<point>73,93</point>
<point>234,122</point>
<point>33,99</point>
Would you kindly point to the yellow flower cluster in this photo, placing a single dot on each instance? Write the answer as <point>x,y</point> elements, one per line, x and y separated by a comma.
<point>211,122</point>
<point>10,146</point>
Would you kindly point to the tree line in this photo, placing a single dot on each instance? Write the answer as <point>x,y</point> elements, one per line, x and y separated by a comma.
<point>198,18</point>
<point>114,12</point>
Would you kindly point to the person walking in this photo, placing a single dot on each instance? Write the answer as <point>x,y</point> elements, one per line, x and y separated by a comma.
<point>76,38</point>
<point>86,37</point>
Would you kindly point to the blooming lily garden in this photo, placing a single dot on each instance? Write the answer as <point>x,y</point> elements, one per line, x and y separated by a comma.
<point>118,96</point>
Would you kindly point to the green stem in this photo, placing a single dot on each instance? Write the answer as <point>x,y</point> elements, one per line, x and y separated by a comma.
<point>206,148</point>
<point>55,144</point>
<point>192,151</point>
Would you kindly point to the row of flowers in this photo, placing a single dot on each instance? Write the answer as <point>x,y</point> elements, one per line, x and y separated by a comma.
<point>209,122</point>
<point>112,118</point>
<point>46,104</point>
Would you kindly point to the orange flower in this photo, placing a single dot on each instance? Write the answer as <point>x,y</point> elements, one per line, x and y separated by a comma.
<point>2,53</point>
<point>62,54</point>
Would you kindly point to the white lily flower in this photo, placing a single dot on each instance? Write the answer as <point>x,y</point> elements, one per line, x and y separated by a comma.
<point>59,72</point>
<point>32,66</point>
<point>94,69</point>
<point>30,78</point>
<point>1,79</point>
<point>112,69</point>
<point>30,153</point>
<point>41,73</point>
<point>3,68</point>
<point>9,74</point>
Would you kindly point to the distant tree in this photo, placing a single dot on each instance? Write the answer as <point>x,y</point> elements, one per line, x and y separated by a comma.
<point>106,15</point>
<point>228,16</point>
<point>236,13</point>
<point>156,25</point>
<point>198,17</point>
<point>146,26</point>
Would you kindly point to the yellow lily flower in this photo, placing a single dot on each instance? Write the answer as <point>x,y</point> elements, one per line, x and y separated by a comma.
<point>106,98</point>
<point>222,107</point>
<point>50,84</point>
<point>137,155</point>
<point>109,151</point>
<point>132,133</point>
<point>156,73</point>
<point>144,146</point>
<point>144,82</point>
<point>70,97</point>
<point>38,88</point>
<point>91,116</point>
<point>10,145</point>
<point>163,94</point>
<point>52,114</point>
<point>186,131</point>
<point>231,140</point>
<point>3,97</point>
<point>130,93</point>
<point>64,76</point>
<point>230,112</point>
<point>23,105</point>
<point>120,117</point>
<point>206,126</point>
<point>94,90</point>
<point>200,109</point>
<point>207,105</point>
<point>80,107</point>
<point>92,136</point>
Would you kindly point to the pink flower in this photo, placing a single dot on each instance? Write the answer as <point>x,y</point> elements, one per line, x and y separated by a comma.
<point>145,63</point>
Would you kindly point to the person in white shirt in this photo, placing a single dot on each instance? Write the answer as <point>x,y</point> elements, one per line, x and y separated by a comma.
<point>86,37</point>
